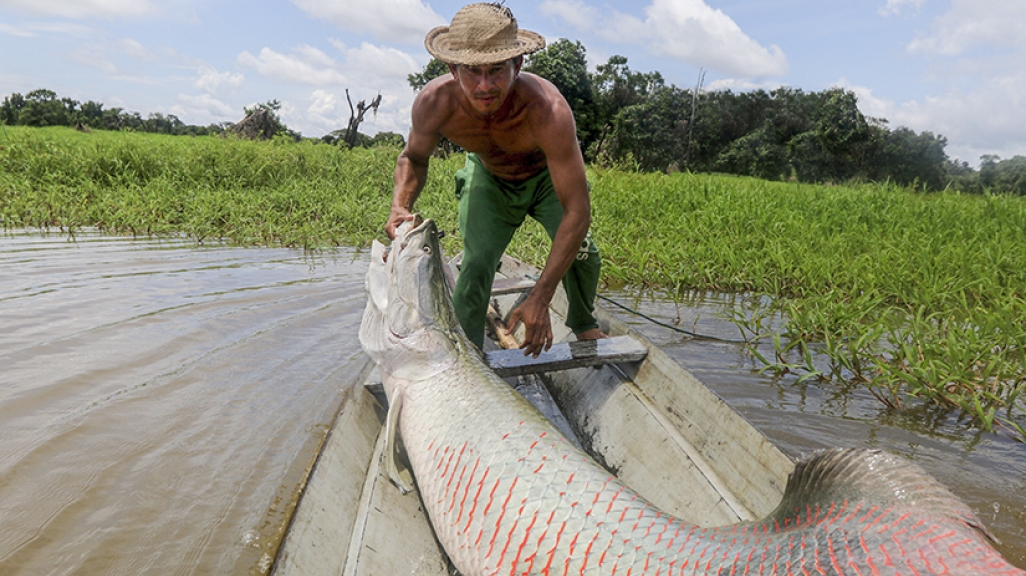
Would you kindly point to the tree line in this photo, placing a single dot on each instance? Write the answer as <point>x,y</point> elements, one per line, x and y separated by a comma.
<point>635,120</point>
<point>43,107</point>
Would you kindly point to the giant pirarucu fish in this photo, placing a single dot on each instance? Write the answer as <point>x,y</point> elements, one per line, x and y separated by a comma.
<point>508,494</point>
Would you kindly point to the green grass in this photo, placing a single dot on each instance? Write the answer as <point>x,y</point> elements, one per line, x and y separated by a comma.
<point>280,192</point>
<point>917,296</point>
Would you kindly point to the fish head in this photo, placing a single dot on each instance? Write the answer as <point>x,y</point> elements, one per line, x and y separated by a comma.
<point>409,326</point>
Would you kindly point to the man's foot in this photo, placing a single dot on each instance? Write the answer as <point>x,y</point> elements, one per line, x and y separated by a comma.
<point>592,334</point>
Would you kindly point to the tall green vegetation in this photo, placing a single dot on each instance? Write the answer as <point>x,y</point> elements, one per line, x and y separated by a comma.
<point>919,297</point>
<point>279,191</point>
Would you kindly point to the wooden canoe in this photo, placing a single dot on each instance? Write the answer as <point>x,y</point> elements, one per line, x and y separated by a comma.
<point>649,421</point>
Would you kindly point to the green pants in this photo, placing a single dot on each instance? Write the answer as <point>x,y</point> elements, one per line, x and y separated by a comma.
<point>491,209</point>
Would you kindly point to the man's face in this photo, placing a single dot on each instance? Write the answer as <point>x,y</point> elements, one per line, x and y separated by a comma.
<point>488,85</point>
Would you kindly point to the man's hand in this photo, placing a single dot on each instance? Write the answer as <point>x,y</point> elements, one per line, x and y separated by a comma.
<point>395,218</point>
<point>534,313</point>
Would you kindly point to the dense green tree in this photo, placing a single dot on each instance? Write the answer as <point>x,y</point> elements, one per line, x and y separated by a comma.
<point>911,159</point>
<point>1003,175</point>
<point>652,134</point>
<point>721,118</point>
<point>91,114</point>
<point>565,64</point>
<point>434,69</point>
<point>840,125</point>
<point>833,142</point>
<point>617,87</point>
<point>755,154</point>
<point>387,139</point>
<point>10,110</point>
<point>42,108</point>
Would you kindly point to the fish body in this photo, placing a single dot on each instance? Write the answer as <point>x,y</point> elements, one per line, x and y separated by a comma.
<point>508,494</point>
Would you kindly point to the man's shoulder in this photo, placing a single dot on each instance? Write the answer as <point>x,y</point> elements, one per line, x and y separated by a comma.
<point>438,90</point>
<point>545,102</point>
<point>435,102</point>
<point>539,90</point>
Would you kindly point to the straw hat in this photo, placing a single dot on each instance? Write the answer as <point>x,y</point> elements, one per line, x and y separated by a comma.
<point>481,34</point>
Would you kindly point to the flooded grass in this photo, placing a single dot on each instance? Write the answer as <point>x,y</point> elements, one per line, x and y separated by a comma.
<point>914,295</point>
<point>919,297</point>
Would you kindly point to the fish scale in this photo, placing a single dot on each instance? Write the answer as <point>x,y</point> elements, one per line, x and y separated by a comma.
<point>508,494</point>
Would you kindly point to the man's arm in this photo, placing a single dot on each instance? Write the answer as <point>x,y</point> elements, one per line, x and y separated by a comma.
<point>411,168</point>
<point>557,137</point>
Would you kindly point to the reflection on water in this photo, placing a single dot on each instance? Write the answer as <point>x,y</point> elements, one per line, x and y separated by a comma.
<point>159,402</point>
<point>984,469</point>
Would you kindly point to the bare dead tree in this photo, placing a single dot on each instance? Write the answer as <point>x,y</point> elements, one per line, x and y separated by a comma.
<point>356,117</point>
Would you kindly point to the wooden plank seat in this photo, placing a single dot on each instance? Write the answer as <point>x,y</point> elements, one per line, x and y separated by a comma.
<point>511,285</point>
<point>566,355</point>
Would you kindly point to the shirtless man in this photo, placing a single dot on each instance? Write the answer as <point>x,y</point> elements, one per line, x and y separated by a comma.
<point>523,159</point>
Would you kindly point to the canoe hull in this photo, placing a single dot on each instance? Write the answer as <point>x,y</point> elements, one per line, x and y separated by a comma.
<point>652,423</point>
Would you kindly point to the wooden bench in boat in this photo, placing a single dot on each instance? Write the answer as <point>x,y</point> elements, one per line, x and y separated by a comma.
<point>562,355</point>
<point>511,285</point>
<point>567,355</point>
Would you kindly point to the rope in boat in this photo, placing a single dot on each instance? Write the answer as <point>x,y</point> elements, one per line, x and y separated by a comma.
<point>671,326</point>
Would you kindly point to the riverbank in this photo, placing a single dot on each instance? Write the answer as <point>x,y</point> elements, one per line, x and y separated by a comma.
<point>918,297</point>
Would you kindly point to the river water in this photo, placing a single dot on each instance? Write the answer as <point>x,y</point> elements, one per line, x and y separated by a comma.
<point>160,401</point>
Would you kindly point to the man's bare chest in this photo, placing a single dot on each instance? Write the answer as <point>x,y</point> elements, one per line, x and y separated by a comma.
<point>492,138</point>
<point>506,149</point>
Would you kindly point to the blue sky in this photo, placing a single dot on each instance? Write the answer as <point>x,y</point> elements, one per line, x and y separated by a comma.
<point>951,67</point>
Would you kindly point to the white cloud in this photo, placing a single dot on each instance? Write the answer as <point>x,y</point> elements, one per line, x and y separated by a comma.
<point>307,65</point>
<point>975,49</point>
<point>83,8</point>
<point>574,12</point>
<point>974,23</point>
<point>694,32</point>
<point>367,65</point>
<point>375,70</point>
<point>990,119</point>
<point>111,57</point>
<point>210,80</point>
<point>388,20</point>
<point>95,56</point>
<point>898,6</point>
<point>323,102</point>
<point>35,29</point>
<point>21,32</point>
<point>689,30</point>
<point>203,110</point>
<point>738,85</point>
<point>133,48</point>
<point>380,65</point>
<point>365,70</point>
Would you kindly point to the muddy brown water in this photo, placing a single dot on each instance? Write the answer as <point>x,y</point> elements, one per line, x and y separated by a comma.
<point>160,402</point>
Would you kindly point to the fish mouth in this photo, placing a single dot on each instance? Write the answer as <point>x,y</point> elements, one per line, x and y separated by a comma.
<point>421,224</point>
<point>409,230</point>
<point>419,228</point>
